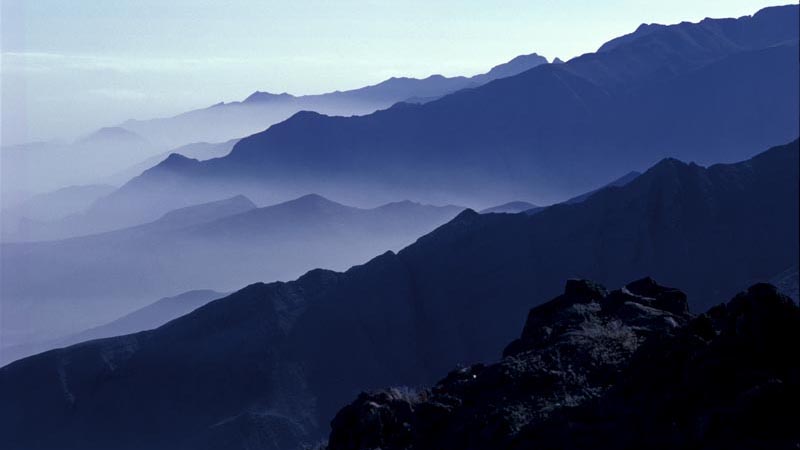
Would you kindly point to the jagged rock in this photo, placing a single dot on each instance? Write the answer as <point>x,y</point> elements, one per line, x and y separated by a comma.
<point>570,352</point>
<point>730,379</point>
<point>627,369</point>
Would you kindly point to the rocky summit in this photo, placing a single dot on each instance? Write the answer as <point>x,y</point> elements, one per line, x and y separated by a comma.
<point>630,368</point>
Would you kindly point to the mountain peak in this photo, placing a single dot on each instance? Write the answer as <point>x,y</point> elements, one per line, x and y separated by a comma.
<point>517,65</point>
<point>206,212</point>
<point>107,135</point>
<point>263,97</point>
<point>311,202</point>
<point>176,160</point>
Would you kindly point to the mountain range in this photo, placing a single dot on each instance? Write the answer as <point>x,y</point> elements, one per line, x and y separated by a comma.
<point>271,364</point>
<point>114,155</point>
<point>105,275</point>
<point>39,167</point>
<point>708,92</point>
<point>151,316</point>
<point>259,110</point>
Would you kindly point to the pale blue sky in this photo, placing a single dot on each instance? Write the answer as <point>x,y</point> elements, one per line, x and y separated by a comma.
<point>71,66</point>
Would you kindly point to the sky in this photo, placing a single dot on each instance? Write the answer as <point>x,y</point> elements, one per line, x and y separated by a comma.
<point>70,67</point>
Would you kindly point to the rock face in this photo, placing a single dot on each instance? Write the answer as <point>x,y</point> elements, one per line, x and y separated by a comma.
<point>571,351</point>
<point>592,369</point>
<point>728,380</point>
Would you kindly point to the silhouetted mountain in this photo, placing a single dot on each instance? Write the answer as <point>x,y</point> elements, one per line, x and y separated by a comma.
<point>147,318</point>
<point>272,363</point>
<point>608,370</point>
<point>709,92</point>
<point>220,245</point>
<point>259,110</point>
<point>113,136</point>
<point>198,150</point>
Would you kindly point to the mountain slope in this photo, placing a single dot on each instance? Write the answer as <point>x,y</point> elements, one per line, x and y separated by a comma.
<point>272,363</point>
<point>707,92</point>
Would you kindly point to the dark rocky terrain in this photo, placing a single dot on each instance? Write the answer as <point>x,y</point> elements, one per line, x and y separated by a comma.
<point>628,369</point>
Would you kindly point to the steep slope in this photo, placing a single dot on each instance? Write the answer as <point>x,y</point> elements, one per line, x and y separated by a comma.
<point>619,182</point>
<point>272,363</point>
<point>708,92</point>
<point>105,275</point>
<point>258,111</point>
<point>529,208</point>
<point>608,370</point>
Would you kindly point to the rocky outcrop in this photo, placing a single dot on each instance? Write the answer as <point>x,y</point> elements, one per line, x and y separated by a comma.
<point>570,352</point>
<point>629,368</point>
<point>730,379</point>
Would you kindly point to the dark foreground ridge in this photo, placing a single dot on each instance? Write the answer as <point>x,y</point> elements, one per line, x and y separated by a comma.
<point>592,369</point>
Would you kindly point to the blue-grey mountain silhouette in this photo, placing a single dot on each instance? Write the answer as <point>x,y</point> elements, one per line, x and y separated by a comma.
<point>708,92</point>
<point>259,110</point>
<point>220,245</point>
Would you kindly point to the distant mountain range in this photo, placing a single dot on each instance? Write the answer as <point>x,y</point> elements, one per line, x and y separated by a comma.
<point>271,364</point>
<point>708,92</point>
<point>20,218</point>
<point>114,155</point>
<point>146,318</point>
<point>39,167</point>
<point>260,110</point>
<point>220,245</point>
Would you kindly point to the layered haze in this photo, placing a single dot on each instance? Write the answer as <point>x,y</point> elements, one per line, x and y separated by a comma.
<point>382,203</point>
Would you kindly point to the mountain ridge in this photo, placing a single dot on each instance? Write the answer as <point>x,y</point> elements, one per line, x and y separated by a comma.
<point>606,111</point>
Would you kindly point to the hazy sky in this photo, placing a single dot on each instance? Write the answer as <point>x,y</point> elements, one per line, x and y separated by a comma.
<point>69,67</point>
